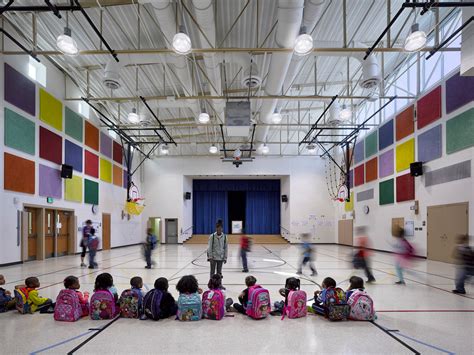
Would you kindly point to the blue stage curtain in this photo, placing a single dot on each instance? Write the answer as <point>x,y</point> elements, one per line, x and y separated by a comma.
<point>236,185</point>
<point>208,207</point>
<point>262,215</point>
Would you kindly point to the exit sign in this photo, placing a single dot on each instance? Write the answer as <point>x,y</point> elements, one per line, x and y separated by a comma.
<point>49,200</point>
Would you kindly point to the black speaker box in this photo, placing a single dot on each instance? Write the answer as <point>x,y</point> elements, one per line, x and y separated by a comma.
<point>416,169</point>
<point>284,198</point>
<point>187,195</point>
<point>66,171</point>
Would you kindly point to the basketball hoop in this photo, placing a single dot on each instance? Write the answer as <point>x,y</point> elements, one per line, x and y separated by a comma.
<point>342,193</point>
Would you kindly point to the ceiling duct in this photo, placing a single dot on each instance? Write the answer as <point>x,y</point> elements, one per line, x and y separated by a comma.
<point>111,77</point>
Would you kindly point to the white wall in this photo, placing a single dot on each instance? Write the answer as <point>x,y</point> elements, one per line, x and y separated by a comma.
<point>167,178</point>
<point>379,218</point>
<point>111,197</point>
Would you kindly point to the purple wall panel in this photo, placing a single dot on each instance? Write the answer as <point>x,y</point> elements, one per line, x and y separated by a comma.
<point>106,145</point>
<point>351,178</point>
<point>359,153</point>
<point>19,90</point>
<point>73,155</point>
<point>459,92</point>
<point>429,145</point>
<point>125,178</point>
<point>50,182</point>
<point>386,164</point>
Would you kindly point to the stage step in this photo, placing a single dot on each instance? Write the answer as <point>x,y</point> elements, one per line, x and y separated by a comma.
<point>235,239</point>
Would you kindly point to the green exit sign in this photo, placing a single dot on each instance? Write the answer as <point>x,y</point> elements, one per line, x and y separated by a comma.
<point>49,200</point>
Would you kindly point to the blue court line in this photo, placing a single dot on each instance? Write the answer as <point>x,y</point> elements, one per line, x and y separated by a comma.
<point>62,342</point>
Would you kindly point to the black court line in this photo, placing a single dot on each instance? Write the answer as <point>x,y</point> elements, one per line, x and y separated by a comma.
<point>93,336</point>
<point>397,339</point>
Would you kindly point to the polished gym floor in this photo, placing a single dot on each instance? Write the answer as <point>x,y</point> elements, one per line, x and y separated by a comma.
<point>421,317</point>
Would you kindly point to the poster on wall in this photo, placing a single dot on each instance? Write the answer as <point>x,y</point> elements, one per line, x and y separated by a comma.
<point>409,228</point>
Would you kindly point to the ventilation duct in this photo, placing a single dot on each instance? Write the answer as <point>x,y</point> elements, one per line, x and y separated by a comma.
<point>111,77</point>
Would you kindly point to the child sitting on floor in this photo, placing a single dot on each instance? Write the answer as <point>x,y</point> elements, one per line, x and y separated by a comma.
<point>72,283</point>
<point>168,305</point>
<point>33,299</point>
<point>6,301</point>
<point>320,296</point>
<point>244,295</point>
<point>361,304</point>
<point>137,284</point>
<point>103,304</point>
<point>215,283</point>
<point>355,283</point>
<point>189,300</point>
<point>291,284</point>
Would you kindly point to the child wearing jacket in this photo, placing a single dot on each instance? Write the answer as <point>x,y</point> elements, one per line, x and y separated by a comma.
<point>33,299</point>
<point>72,283</point>
<point>291,284</point>
<point>6,301</point>
<point>320,296</point>
<point>244,295</point>
<point>168,305</point>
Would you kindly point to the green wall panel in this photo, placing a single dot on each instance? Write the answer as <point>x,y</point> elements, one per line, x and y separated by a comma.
<point>19,132</point>
<point>371,144</point>
<point>91,192</point>
<point>386,192</point>
<point>460,132</point>
<point>74,124</point>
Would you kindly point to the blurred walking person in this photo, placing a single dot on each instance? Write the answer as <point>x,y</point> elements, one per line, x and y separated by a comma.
<point>307,255</point>
<point>465,256</point>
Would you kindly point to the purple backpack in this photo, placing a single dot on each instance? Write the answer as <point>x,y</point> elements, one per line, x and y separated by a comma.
<point>152,303</point>
<point>258,305</point>
<point>213,304</point>
<point>102,305</point>
<point>68,308</point>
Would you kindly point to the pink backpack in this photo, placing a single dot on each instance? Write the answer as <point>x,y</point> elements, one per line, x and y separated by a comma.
<point>258,305</point>
<point>213,304</point>
<point>362,306</point>
<point>68,308</point>
<point>102,305</point>
<point>296,305</point>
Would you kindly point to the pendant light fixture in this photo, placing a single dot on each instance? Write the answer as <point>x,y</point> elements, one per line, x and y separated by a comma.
<point>203,116</point>
<point>133,116</point>
<point>345,113</point>
<point>276,117</point>
<point>65,43</point>
<point>181,42</point>
<point>303,43</point>
<point>416,40</point>
<point>213,149</point>
<point>164,149</point>
<point>311,148</point>
<point>264,149</point>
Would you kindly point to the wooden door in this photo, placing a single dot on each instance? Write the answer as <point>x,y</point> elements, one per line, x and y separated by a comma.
<point>345,232</point>
<point>32,233</point>
<point>49,226</point>
<point>105,231</point>
<point>445,223</point>
<point>62,237</point>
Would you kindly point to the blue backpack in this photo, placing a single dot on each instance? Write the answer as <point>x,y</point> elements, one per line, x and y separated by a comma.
<point>189,307</point>
<point>152,303</point>
<point>4,299</point>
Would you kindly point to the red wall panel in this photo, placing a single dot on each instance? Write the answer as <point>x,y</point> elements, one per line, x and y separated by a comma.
<point>117,153</point>
<point>51,146</point>
<point>428,108</point>
<point>405,123</point>
<point>359,175</point>
<point>405,188</point>
<point>91,164</point>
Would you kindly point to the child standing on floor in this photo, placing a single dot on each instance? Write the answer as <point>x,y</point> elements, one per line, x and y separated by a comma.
<point>465,256</point>
<point>93,244</point>
<point>404,253</point>
<point>307,255</point>
<point>361,257</point>
<point>72,283</point>
<point>33,299</point>
<point>244,249</point>
<point>148,247</point>
<point>6,301</point>
<point>244,295</point>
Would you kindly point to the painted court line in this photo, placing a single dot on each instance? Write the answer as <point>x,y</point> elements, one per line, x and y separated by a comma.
<point>61,342</point>
<point>93,336</point>
<point>397,339</point>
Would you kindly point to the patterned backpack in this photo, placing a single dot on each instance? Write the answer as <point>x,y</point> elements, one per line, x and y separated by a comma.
<point>213,304</point>
<point>189,307</point>
<point>362,306</point>
<point>151,304</point>
<point>102,305</point>
<point>21,301</point>
<point>296,305</point>
<point>258,305</point>
<point>335,305</point>
<point>130,304</point>
<point>68,308</point>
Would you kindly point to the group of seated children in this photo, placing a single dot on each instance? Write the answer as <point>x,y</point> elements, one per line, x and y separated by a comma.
<point>105,303</point>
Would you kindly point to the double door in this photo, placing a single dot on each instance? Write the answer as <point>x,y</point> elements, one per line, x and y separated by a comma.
<point>56,232</point>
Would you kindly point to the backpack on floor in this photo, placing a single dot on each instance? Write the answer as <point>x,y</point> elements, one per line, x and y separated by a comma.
<point>68,308</point>
<point>4,299</point>
<point>362,306</point>
<point>130,302</point>
<point>258,305</point>
<point>335,305</point>
<point>213,304</point>
<point>102,305</point>
<point>21,302</point>
<point>189,307</point>
<point>296,305</point>
<point>152,303</point>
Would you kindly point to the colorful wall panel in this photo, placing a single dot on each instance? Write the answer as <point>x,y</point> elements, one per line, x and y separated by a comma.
<point>73,125</point>
<point>91,164</point>
<point>19,132</point>
<point>117,153</point>
<point>106,145</point>
<point>429,144</point>
<point>386,135</point>
<point>405,124</point>
<point>359,152</point>
<point>359,175</point>
<point>460,132</point>
<point>351,178</point>
<point>349,206</point>
<point>405,188</point>
<point>91,192</point>
<point>73,189</point>
<point>73,155</point>
<point>428,108</point>
<point>449,173</point>
<point>91,136</point>
<point>386,164</point>
<point>125,179</point>
<point>50,182</point>
<point>371,144</point>
<point>117,175</point>
<point>386,192</point>
<point>19,90</point>
<point>105,170</point>
<point>405,155</point>
<point>51,146</point>
<point>51,110</point>
<point>18,174</point>
<point>459,92</point>
<point>371,170</point>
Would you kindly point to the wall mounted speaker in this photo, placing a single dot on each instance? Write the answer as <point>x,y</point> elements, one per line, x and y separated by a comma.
<point>66,171</point>
<point>187,195</point>
<point>284,198</point>
<point>416,169</point>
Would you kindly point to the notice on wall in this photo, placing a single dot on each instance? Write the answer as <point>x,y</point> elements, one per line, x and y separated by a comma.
<point>409,228</point>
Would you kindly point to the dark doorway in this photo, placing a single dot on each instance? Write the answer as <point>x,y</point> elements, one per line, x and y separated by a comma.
<point>236,204</point>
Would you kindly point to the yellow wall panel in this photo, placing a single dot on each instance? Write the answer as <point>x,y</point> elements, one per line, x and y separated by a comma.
<point>51,110</point>
<point>405,155</point>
